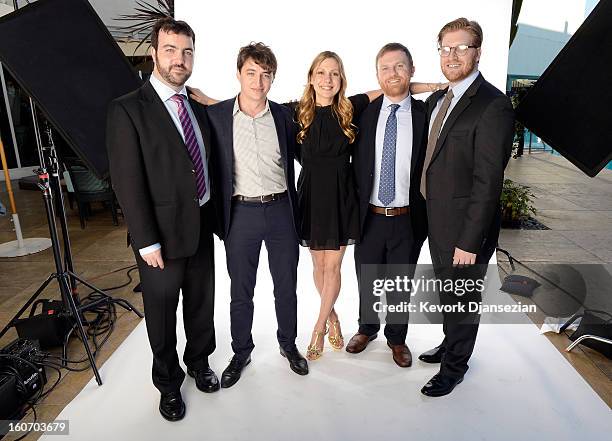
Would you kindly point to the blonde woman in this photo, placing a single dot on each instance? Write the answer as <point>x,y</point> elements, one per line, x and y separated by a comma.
<point>327,195</point>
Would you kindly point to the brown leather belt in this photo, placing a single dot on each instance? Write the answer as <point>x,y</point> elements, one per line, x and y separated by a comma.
<point>389,212</point>
<point>261,199</point>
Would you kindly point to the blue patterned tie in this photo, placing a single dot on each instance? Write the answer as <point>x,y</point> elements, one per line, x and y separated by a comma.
<point>386,188</point>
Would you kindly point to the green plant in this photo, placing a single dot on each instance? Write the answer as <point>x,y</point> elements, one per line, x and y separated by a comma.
<point>516,202</point>
<point>145,17</point>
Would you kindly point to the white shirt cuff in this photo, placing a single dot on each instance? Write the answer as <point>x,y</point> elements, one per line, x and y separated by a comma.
<point>149,249</point>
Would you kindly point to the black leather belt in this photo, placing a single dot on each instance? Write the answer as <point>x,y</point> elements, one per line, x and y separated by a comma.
<point>261,199</point>
<point>389,212</point>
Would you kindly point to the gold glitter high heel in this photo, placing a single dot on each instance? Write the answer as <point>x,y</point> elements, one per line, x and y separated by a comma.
<point>313,352</point>
<point>337,340</point>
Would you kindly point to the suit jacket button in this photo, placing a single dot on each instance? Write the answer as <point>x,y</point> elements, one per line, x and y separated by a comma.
<point>193,171</point>
<point>196,199</point>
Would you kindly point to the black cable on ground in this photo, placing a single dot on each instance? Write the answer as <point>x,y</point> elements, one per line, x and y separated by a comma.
<point>542,277</point>
<point>101,325</point>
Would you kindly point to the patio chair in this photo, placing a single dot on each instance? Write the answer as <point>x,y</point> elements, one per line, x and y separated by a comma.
<point>89,188</point>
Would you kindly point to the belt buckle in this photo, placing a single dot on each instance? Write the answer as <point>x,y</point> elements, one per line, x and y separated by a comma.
<point>261,198</point>
<point>387,211</point>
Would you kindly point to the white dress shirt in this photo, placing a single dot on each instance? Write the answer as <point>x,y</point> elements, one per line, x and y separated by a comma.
<point>165,93</point>
<point>403,152</point>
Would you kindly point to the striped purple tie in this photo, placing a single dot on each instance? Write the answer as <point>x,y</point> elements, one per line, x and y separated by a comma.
<point>192,143</point>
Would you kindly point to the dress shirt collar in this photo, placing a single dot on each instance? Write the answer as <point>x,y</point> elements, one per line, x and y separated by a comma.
<point>164,91</point>
<point>463,85</point>
<point>265,110</point>
<point>405,105</point>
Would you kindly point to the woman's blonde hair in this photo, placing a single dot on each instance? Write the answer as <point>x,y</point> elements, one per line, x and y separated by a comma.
<point>341,106</point>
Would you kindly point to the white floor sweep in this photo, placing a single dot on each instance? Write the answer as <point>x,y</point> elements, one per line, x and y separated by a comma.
<point>518,387</point>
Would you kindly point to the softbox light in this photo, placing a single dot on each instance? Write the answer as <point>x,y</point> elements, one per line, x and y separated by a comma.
<point>62,55</point>
<point>569,107</point>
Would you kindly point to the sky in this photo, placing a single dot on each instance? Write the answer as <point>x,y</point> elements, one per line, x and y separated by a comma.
<point>552,14</point>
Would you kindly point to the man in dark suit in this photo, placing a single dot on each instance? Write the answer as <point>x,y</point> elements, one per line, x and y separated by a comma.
<point>386,162</point>
<point>254,142</point>
<point>469,145</point>
<point>158,147</point>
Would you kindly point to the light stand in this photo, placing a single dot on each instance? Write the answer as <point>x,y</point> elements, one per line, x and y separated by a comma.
<point>48,181</point>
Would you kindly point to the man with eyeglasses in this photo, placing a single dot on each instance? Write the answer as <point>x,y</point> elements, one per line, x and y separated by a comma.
<point>470,140</point>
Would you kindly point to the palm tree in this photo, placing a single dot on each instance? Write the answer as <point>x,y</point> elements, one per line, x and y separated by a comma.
<point>145,16</point>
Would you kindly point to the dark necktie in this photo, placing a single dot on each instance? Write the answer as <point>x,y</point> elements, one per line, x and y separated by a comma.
<point>434,134</point>
<point>192,144</point>
<point>386,186</point>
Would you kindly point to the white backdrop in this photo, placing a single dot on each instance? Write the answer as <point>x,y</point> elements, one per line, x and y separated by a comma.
<point>296,31</point>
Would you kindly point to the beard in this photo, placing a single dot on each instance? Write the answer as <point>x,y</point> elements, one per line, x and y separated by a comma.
<point>172,75</point>
<point>397,89</point>
<point>456,75</point>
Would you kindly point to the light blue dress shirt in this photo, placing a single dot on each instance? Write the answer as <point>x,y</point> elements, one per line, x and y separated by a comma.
<point>403,152</point>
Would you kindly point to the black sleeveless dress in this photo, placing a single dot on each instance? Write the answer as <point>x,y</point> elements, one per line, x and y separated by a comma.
<point>328,205</point>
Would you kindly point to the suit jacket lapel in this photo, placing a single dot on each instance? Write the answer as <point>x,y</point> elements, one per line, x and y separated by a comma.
<point>432,101</point>
<point>227,133</point>
<point>160,115</point>
<point>463,104</point>
<point>281,131</point>
<point>418,124</point>
<point>370,154</point>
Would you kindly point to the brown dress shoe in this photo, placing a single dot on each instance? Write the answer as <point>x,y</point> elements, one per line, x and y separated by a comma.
<point>401,355</point>
<point>359,342</point>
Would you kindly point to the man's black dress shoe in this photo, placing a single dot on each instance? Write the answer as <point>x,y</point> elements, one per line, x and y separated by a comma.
<point>206,379</point>
<point>440,385</point>
<point>433,355</point>
<point>297,362</point>
<point>232,372</point>
<point>172,406</point>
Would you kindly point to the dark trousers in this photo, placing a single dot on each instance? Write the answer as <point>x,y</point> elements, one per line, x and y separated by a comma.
<point>460,328</point>
<point>386,240</point>
<point>195,276</point>
<point>252,224</point>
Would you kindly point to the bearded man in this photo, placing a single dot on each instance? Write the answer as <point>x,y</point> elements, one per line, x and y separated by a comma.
<point>158,144</point>
<point>471,126</point>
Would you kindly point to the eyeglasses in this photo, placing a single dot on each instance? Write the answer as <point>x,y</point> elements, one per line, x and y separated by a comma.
<point>460,50</point>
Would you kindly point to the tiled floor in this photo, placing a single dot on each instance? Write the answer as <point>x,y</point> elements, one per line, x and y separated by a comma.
<point>578,209</point>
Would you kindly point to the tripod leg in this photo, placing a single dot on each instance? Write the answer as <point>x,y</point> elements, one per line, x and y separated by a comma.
<point>27,305</point>
<point>121,302</point>
<point>79,325</point>
<point>65,347</point>
<point>87,284</point>
<point>510,258</point>
<point>128,306</point>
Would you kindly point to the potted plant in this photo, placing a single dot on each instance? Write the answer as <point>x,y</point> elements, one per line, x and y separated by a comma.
<point>516,204</point>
